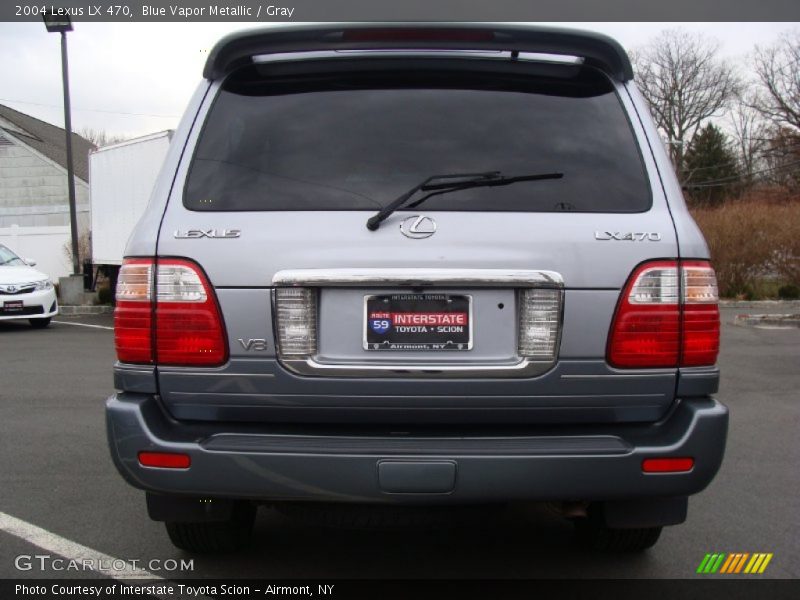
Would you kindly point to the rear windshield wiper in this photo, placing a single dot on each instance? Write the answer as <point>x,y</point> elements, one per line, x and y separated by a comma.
<point>458,181</point>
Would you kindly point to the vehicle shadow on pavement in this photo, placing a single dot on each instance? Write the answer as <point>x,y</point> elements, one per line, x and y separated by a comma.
<point>17,326</point>
<point>519,541</point>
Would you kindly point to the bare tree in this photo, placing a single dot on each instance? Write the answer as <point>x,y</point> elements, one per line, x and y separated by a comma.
<point>685,83</point>
<point>99,137</point>
<point>751,134</point>
<point>84,247</point>
<point>778,71</point>
<point>782,157</point>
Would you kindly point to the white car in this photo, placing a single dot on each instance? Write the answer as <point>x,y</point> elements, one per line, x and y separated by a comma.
<point>25,293</point>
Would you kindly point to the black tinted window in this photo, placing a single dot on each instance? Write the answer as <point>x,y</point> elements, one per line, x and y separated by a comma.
<point>357,142</point>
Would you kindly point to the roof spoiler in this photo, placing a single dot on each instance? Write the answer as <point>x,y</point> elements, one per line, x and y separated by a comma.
<point>597,50</point>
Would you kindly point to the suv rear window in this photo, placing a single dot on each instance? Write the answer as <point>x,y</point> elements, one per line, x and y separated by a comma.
<point>358,141</point>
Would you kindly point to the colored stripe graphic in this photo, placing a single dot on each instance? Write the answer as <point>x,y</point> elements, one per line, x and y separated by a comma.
<point>728,563</point>
<point>765,563</point>
<point>753,563</point>
<point>711,563</point>
<point>737,558</point>
<point>740,564</point>
<point>718,562</point>
<point>736,562</point>
<point>703,563</point>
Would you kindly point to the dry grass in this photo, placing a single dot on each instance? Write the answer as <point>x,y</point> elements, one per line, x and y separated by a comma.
<point>753,238</point>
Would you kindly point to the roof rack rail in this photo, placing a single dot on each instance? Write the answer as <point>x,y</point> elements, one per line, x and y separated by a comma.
<point>597,50</point>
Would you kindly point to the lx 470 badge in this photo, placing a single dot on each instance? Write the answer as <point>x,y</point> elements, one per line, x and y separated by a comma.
<point>628,236</point>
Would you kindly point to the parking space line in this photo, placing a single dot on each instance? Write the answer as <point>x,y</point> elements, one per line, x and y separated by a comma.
<point>72,551</point>
<point>83,325</point>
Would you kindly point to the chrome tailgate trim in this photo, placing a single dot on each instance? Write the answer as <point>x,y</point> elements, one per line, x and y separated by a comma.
<point>416,277</point>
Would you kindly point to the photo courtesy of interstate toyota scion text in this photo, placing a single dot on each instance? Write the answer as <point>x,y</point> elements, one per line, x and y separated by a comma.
<point>390,269</point>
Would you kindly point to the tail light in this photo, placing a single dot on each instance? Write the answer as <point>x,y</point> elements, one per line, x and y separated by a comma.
<point>700,324</point>
<point>667,316</point>
<point>183,327</point>
<point>133,315</point>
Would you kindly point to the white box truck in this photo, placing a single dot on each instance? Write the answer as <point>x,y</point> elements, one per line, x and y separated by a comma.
<point>121,178</point>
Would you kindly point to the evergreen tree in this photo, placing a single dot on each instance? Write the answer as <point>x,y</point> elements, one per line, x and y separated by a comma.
<point>711,170</point>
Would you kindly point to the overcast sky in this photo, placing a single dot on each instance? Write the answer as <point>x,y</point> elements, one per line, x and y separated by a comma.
<point>136,78</point>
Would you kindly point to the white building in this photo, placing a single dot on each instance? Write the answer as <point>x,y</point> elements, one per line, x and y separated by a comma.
<point>34,202</point>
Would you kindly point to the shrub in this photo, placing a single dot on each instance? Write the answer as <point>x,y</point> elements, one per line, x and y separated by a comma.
<point>752,238</point>
<point>789,292</point>
<point>104,295</point>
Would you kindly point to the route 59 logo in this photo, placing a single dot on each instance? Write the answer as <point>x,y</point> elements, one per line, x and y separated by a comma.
<point>380,322</point>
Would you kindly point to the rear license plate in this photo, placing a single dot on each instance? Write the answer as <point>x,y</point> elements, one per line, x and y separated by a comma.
<point>418,322</point>
<point>13,306</point>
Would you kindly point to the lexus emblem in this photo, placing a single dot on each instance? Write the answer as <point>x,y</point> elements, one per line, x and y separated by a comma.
<point>418,227</point>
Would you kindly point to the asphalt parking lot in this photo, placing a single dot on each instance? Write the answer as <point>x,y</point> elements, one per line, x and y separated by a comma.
<point>55,473</point>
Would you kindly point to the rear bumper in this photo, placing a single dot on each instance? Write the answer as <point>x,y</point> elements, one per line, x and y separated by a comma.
<point>601,462</point>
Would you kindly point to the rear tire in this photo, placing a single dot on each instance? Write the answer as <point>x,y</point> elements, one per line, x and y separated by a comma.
<point>608,539</point>
<point>39,323</point>
<point>215,537</point>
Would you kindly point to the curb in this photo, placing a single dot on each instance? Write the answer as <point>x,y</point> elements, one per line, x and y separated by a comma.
<point>788,305</point>
<point>85,310</point>
<point>768,321</point>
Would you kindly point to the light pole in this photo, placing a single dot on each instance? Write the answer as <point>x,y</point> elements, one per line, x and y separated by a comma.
<point>62,24</point>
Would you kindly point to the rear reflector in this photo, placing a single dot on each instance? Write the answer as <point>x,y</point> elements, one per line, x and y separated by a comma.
<point>539,319</point>
<point>183,327</point>
<point>667,465</point>
<point>165,460</point>
<point>667,317</point>
<point>296,320</point>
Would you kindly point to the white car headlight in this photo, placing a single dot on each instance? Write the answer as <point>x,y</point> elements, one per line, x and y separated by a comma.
<point>44,284</point>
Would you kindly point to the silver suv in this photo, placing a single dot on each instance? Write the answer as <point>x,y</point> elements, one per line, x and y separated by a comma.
<point>388,268</point>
